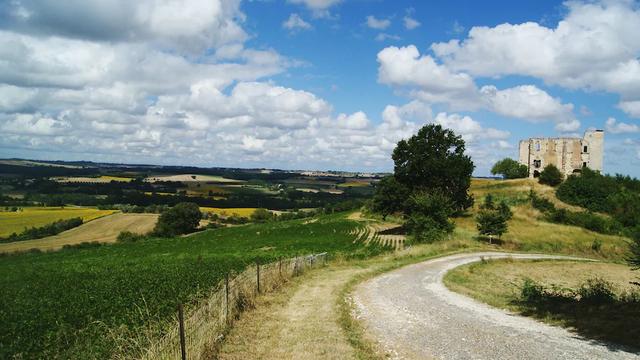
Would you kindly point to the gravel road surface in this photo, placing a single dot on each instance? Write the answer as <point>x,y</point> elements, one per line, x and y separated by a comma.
<point>413,315</point>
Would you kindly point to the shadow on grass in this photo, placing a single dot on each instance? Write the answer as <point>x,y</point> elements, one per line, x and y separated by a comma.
<point>614,324</point>
<point>400,230</point>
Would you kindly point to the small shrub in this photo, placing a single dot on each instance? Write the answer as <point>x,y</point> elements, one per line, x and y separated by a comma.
<point>550,175</point>
<point>597,291</point>
<point>596,245</point>
<point>531,291</point>
<point>128,237</point>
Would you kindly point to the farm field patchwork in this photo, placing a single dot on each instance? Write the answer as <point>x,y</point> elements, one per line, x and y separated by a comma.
<point>96,180</point>
<point>191,177</point>
<point>26,217</point>
<point>104,230</point>
<point>73,303</point>
<point>242,212</point>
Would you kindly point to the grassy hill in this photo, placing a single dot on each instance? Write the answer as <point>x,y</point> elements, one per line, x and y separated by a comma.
<point>68,303</point>
<point>527,232</point>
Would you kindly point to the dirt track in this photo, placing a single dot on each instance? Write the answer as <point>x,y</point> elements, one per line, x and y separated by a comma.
<point>413,315</point>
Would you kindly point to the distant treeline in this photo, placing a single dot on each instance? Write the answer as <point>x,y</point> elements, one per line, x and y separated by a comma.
<point>43,231</point>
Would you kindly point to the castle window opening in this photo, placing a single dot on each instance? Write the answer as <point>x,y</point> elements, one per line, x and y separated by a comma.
<point>537,163</point>
<point>584,164</point>
<point>585,149</point>
<point>537,146</point>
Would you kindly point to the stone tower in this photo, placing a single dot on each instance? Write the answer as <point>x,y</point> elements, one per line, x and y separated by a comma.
<point>567,154</point>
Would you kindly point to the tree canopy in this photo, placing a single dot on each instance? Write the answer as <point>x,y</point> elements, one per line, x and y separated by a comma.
<point>435,158</point>
<point>180,219</point>
<point>510,169</point>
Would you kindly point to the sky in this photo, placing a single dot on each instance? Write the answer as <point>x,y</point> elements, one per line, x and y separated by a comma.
<point>313,84</point>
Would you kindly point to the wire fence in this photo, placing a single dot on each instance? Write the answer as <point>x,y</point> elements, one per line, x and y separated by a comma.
<point>199,331</point>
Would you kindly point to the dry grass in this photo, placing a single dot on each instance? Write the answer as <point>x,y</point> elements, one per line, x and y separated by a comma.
<point>105,229</point>
<point>498,282</point>
<point>27,217</point>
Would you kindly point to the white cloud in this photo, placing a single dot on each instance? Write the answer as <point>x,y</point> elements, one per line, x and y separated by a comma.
<point>385,37</point>
<point>410,23</point>
<point>295,22</point>
<point>594,47</point>
<point>469,129</point>
<point>632,108</point>
<point>421,77</point>
<point>615,127</point>
<point>191,26</point>
<point>378,24</point>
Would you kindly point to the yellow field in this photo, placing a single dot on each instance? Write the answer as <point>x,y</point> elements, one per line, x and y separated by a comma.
<point>105,229</point>
<point>243,212</point>
<point>354,184</point>
<point>101,179</point>
<point>11,222</point>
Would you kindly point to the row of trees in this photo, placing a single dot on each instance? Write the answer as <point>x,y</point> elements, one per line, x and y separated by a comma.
<point>511,169</point>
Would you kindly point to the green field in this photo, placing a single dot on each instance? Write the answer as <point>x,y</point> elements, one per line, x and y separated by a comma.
<point>65,304</point>
<point>11,222</point>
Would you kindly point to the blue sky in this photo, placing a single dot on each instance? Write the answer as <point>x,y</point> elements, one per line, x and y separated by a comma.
<point>313,84</point>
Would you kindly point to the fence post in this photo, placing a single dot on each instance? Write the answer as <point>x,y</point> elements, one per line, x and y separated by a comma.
<point>183,349</point>
<point>226,295</point>
<point>258,275</point>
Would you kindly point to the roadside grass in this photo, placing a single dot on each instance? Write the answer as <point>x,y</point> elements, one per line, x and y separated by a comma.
<point>85,302</point>
<point>103,230</point>
<point>27,217</point>
<point>499,283</point>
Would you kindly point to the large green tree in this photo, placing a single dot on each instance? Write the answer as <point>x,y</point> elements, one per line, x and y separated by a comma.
<point>432,159</point>
<point>180,219</point>
<point>510,169</point>
<point>390,196</point>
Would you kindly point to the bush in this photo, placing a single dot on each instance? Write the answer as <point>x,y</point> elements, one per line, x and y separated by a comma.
<point>550,175</point>
<point>491,223</point>
<point>539,203</point>
<point>428,219</point>
<point>597,291</point>
<point>505,211</point>
<point>531,291</point>
<point>261,215</point>
<point>128,237</point>
<point>183,218</point>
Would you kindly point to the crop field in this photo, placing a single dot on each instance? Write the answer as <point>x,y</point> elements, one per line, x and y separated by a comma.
<point>529,233</point>
<point>83,302</point>
<point>242,212</point>
<point>192,177</point>
<point>355,184</point>
<point>104,230</point>
<point>11,222</point>
<point>95,180</point>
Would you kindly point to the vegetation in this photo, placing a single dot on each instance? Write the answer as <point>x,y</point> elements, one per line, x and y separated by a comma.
<point>510,169</point>
<point>550,175</point>
<point>491,223</point>
<point>83,302</point>
<point>26,217</point>
<point>430,183</point>
<point>595,299</point>
<point>180,219</point>
<point>433,159</point>
<point>54,228</point>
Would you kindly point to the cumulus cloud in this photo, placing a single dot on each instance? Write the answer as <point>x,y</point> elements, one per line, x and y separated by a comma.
<point>632,108</point>
<point>594,47</point>
<point>295,22</point>
<point>192,26</point>
<point>422,77</point>
<point>615,127</point>
<point>378,24</point>
<point>385,37</point>
<point>410,23</point>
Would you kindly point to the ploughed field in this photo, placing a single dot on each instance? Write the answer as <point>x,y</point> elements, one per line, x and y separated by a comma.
<point>84,302</point>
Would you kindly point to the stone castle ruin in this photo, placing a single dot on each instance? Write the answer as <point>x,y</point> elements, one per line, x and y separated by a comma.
<point>567,154</point>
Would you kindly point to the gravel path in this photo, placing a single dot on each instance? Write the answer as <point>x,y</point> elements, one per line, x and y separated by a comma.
<point>413,315</point>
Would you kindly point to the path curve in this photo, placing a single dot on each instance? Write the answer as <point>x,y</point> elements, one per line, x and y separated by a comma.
<point>413,315</point>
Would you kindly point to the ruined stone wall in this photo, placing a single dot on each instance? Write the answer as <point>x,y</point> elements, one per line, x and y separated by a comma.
<point>567,154</point>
